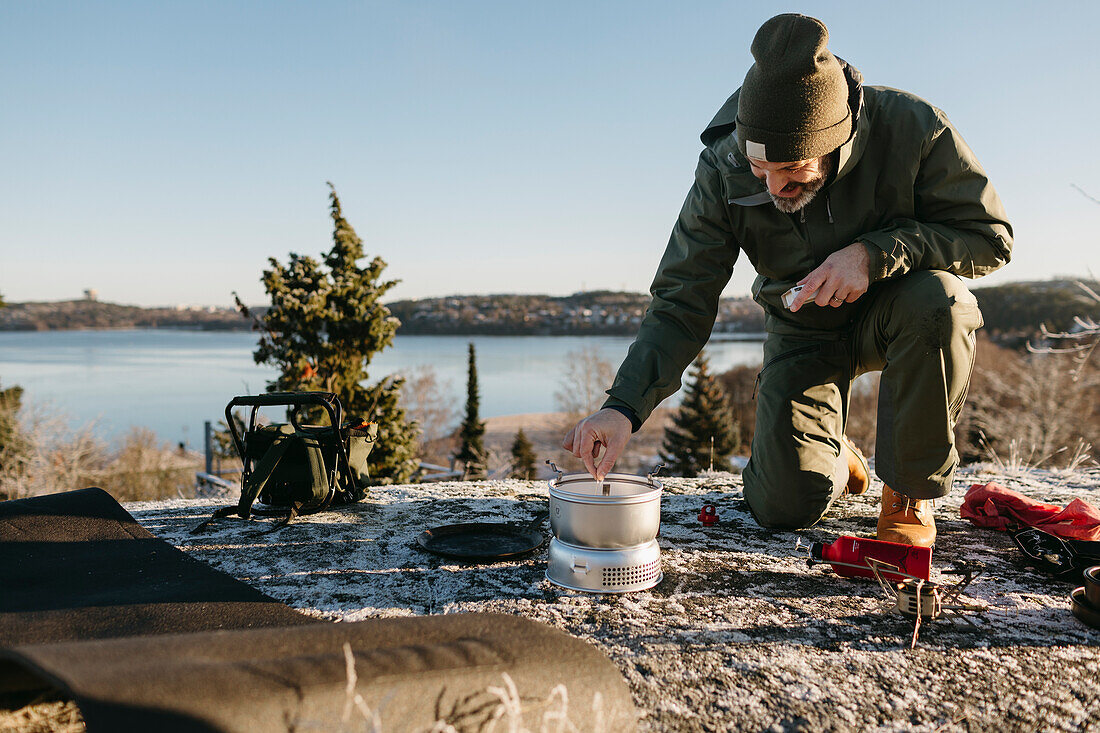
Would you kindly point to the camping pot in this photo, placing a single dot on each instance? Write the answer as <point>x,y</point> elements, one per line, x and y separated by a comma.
<point>621,511</point>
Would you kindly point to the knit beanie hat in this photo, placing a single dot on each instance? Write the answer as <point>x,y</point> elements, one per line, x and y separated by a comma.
<point>794,102</point>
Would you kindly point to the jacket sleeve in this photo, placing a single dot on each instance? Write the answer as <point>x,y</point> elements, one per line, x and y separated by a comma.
<point>959,223</point>
<point>696,266</point>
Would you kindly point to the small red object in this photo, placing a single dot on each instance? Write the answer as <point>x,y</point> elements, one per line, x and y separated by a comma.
<point>849,555</point>
<point>708,515</point>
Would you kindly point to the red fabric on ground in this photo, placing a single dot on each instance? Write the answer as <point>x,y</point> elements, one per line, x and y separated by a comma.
<point>992,505</point>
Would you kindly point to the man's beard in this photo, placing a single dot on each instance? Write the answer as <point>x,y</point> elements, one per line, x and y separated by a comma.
<point>808,190</point>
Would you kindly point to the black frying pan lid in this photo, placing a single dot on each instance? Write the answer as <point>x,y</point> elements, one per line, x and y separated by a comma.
<point>480,541</point>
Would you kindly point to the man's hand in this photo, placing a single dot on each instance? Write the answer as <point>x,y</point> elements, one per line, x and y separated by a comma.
<point>607,428</point>
<point>842,278</point>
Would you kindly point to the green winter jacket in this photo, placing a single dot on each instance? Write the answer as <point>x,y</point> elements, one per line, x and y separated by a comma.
<point>906,186</point>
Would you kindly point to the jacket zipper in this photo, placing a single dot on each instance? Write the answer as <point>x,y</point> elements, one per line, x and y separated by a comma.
<point>806,234</point>
<point>781,357</point>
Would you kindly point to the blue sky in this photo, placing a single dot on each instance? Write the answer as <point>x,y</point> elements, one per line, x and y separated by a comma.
<point>161,152</point>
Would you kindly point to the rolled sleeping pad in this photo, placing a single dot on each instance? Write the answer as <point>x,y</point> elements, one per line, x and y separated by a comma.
<point>410,674</point>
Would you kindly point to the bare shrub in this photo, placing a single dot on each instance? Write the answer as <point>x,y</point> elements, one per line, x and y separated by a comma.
<point>63,458</point>
<point>144,469</point>
<point>862,422</point>
<point>582,387</point>
<point>427,399</point>
<point>57,456</point>
<point>581,391</point>
<point>1031,409</point>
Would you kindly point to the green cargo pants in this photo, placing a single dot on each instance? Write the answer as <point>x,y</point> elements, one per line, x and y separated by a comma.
<point>919,330</point>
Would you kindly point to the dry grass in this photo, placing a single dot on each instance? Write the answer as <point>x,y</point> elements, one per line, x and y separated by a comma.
<point>1031,410</point>
<point>505,714</point>
<point>1024,410</point>
<point>49,713</point>
<point>60,457</point>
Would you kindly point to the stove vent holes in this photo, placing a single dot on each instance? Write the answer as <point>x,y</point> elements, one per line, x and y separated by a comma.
<point>631,575</point>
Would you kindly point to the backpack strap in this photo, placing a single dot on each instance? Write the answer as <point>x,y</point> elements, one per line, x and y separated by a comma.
<point>223,512</point>
<point>262,473</point>
<point>257,478</point>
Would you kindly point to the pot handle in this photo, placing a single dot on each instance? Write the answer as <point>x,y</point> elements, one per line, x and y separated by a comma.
<point>656,470</point>
<point>561,474</point>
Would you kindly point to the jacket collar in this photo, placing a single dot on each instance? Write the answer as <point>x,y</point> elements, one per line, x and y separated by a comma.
<point>852,150</point>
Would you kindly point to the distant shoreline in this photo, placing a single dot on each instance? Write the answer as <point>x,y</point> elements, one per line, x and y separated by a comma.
<point>598,313</point>
<point>717,336</point>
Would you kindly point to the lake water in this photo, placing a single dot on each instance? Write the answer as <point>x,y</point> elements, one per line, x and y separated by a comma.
<point>173,381</point>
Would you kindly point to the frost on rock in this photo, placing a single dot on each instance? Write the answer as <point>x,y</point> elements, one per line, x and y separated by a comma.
<point>740,634</point>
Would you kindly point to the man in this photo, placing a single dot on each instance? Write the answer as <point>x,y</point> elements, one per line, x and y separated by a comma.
<point>868,199</point>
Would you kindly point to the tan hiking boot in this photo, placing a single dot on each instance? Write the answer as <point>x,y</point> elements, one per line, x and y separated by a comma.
<point>906,520</point>
<point>859,473</point>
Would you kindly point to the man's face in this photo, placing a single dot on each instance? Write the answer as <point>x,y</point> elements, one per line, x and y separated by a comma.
<point>792,185</point>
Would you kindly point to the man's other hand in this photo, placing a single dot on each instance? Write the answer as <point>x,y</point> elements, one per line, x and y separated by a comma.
<point>842,278</point>
<point>609,429</point>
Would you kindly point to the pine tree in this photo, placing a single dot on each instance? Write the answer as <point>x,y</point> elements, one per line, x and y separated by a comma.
<point>14,445</point>
<point>704,416</point>
<point>523,457</point>
<point>326,322</point>
<point>13,442</point>
<point>472,431</point>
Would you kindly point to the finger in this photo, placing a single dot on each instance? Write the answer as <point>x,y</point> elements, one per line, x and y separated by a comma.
<point>580,435</point>
<point>584,446</point>
<point>609,457</point>
<point>805,294</point>
<point>826,293</point>
<point>567,443</point>
<point>811,284</point>
<point>589,459</point>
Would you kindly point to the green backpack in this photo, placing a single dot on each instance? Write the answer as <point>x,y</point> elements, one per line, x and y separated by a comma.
<point>293,469</point>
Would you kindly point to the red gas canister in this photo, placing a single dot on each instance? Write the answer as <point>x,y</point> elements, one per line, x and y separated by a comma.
<point>849,557</point>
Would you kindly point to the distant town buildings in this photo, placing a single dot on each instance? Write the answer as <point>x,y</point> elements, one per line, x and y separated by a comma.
<point>600,312</point>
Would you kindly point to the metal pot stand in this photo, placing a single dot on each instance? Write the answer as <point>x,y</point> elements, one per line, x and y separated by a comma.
<point>593,570</point>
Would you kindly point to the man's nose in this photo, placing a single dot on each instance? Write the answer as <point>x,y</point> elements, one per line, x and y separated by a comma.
<point>776,181</point>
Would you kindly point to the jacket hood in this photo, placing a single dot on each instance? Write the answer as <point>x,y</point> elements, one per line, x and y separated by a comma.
<point>724,122</point>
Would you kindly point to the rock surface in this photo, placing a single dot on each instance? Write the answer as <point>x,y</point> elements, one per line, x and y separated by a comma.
<point>740,634</point>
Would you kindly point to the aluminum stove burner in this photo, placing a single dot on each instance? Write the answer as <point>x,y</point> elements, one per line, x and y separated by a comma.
<point>604,570</point>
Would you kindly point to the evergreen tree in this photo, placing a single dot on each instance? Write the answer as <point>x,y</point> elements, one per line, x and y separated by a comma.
<point>523,457</point>
<point>704,416</point>
<point>326,322</point>
<point>13,443</point>
<point>472,431</point>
